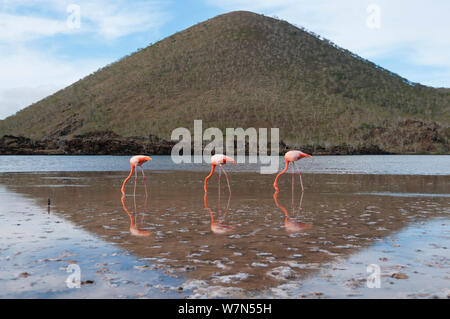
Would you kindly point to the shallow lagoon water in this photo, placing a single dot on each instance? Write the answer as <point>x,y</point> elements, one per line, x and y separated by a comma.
<point>342,164</point>
<point>169,245</point>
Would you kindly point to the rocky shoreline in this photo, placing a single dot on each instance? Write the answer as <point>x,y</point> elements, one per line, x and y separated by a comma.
<point>99,143</point>
<point>408,137</point>
<point>109,143</point>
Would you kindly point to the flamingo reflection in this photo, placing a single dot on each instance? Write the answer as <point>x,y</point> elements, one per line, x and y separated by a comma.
<point>134,228</point>
<point>217,227</point>
<point>289,224</point>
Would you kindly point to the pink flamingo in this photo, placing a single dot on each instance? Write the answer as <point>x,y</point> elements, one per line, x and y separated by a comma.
<point>219,160</point>
<point>291,157</point>
<point>137,160</point>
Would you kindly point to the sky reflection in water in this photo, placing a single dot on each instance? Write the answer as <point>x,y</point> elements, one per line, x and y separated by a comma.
<point>176,242</point>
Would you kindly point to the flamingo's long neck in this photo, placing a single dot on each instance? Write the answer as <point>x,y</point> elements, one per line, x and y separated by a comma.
<point>126,179</point>
<point>275,184</point>
<point>213,167</point>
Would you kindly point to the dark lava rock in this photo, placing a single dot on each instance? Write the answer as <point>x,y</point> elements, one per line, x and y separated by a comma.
<point>95,143</point>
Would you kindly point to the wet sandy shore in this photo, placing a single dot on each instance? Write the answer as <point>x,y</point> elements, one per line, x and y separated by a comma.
<point>176,243</point>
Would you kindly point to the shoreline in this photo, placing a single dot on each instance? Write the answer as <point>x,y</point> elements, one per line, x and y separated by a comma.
<point>13,145</point>
<point>109,143</point>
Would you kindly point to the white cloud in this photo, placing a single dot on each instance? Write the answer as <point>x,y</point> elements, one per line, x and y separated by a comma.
<point>108,19</point>
<point>28,74</point>
<point>115,19</point>
<point>15,28</point>
<point>413,27</point>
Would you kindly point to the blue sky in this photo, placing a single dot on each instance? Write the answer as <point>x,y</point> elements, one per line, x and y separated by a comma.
<point>43,49</point>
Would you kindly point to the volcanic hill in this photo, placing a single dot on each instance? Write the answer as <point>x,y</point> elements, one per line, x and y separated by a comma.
<point>238,69</point>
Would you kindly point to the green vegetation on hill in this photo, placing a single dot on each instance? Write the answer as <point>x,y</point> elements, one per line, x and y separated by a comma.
<point>242,69</point>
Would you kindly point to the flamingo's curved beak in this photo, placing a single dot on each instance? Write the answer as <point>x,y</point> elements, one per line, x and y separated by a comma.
<point>148,158</point>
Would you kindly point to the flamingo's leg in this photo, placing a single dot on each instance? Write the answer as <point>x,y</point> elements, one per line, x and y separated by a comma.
<point>300,176</point>
<point>218,189</point>
<point>292,189</point>
<point>145,184</point>
<point>142,169</point>
<point>145,206</point>
<point>135,182</point>
<point>134,201</point>
<point>226,175</point>
<point>228,205</point>
<point>301,202</point>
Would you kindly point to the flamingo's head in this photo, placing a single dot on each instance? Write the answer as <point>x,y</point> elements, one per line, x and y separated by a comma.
<point>138,232</point>
<point>220,229</point>
<point>219,159</point>
<point>295,227</point>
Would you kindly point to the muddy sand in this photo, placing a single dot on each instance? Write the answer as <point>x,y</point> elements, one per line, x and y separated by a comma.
<point>176,243</point>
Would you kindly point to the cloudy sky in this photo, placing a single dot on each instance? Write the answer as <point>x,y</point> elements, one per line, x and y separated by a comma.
<point>46,45</point>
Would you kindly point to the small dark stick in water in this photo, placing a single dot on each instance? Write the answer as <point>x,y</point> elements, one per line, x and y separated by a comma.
<point>48,205</point>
